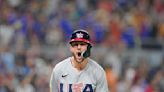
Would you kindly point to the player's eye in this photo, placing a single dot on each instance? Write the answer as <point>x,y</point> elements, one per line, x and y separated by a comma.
<point>74,44</point>
<point>78,43</point>
<point>82,44</point>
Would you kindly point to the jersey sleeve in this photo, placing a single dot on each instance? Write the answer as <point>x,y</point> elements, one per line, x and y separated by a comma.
<point>102,83</point>
<point>53,81</point>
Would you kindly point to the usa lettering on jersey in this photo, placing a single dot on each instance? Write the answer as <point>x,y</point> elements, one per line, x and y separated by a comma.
<point>80,87</point>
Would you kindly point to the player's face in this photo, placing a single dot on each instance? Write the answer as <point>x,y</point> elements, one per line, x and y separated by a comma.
<point>76,48</point>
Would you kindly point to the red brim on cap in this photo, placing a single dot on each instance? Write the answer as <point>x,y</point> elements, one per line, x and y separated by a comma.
<point>80,39</point>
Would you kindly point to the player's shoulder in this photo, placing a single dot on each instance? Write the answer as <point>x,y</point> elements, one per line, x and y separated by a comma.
<point>97,70</point>
<point>62,63</point>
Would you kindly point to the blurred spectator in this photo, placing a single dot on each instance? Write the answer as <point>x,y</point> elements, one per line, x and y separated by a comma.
<point>138,82</point>
<point>6,33</point>
<point>111,79</point>
<point>112,58</point>
<point>24,86</point>
<point>153,78</point>
<point>54,36</point>
<point>161,83</point>
<point>128,35</point>
<point>8,59</point>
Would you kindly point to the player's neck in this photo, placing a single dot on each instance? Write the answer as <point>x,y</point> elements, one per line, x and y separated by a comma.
<point>79,66</point>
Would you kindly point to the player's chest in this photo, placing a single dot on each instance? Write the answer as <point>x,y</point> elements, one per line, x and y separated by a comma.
<point>76,83</point>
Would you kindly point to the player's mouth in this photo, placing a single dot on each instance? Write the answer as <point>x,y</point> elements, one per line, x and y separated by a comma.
<point>79,57</point>
<point>79,54</point>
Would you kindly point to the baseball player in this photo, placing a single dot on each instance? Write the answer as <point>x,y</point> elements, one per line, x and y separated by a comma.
<point>78,73</point>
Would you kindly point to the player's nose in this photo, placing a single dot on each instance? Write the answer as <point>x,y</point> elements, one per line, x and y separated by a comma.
<point>79,46</point>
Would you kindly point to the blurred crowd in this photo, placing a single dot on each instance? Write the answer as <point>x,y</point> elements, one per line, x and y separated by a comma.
<point>128,39</point>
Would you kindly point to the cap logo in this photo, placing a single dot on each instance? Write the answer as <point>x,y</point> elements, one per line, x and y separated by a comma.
<point>79,35</point>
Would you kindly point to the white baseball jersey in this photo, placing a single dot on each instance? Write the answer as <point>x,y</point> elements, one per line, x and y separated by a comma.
<point>65,78</point>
